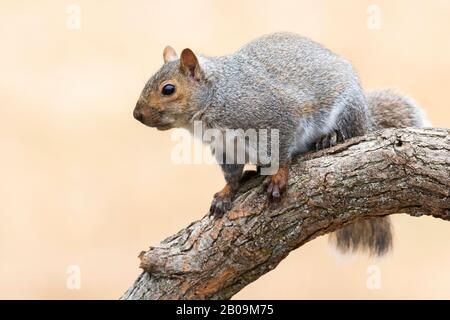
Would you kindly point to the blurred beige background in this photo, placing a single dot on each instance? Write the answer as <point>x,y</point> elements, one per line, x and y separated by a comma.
<point>84,184</point>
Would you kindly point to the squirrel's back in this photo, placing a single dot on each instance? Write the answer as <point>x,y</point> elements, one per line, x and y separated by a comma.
<point>292,67</point>
<point>289,82</point>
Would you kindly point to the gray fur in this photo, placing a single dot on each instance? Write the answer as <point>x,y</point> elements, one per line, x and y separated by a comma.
<point>287,82</point>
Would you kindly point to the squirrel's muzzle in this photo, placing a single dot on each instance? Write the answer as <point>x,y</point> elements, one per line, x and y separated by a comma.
<point>147,115</point>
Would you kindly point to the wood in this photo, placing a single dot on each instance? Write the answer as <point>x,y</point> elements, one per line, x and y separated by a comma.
<point>387,172</point>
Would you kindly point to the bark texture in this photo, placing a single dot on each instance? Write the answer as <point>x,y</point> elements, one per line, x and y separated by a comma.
<point>390,171</point>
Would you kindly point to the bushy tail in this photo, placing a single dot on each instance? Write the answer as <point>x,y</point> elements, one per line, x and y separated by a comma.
<point>374,235</point>
<point>389,109</point>
<point>371,235</point>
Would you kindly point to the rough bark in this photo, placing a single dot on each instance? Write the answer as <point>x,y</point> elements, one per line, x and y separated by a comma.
<point>390,171</point>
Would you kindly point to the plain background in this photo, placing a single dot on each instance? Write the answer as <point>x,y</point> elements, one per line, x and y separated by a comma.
<point>84,184</point>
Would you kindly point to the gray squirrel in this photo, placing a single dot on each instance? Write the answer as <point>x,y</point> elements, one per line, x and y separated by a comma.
<point>281,81</point>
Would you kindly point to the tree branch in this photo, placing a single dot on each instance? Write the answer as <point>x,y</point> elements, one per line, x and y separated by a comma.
<point>390,171</point>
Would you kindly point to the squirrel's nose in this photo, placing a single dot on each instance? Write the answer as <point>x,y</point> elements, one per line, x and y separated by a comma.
<point>138,115</point>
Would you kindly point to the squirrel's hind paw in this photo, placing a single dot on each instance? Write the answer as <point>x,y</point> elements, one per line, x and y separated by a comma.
<point>329,140</point>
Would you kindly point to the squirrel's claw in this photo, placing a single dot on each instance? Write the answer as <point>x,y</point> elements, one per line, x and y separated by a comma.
<point>220,204</point>
<point>277,185</point>
<point>275,191</point>
<point>329,140</point>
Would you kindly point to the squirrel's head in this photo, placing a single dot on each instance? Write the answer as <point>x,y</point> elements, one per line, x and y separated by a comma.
<point>169,97</point>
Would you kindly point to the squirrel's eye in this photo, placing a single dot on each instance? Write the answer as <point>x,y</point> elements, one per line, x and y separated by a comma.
<point>168,89</point>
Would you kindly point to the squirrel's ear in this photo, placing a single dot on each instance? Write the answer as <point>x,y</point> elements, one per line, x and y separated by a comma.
<point>169,54</point>
<point>189,64</point>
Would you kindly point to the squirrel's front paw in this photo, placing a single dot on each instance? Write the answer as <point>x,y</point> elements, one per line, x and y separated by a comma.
<point>277,184</point>
<point>221,202</point>
<point>219,205</point>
